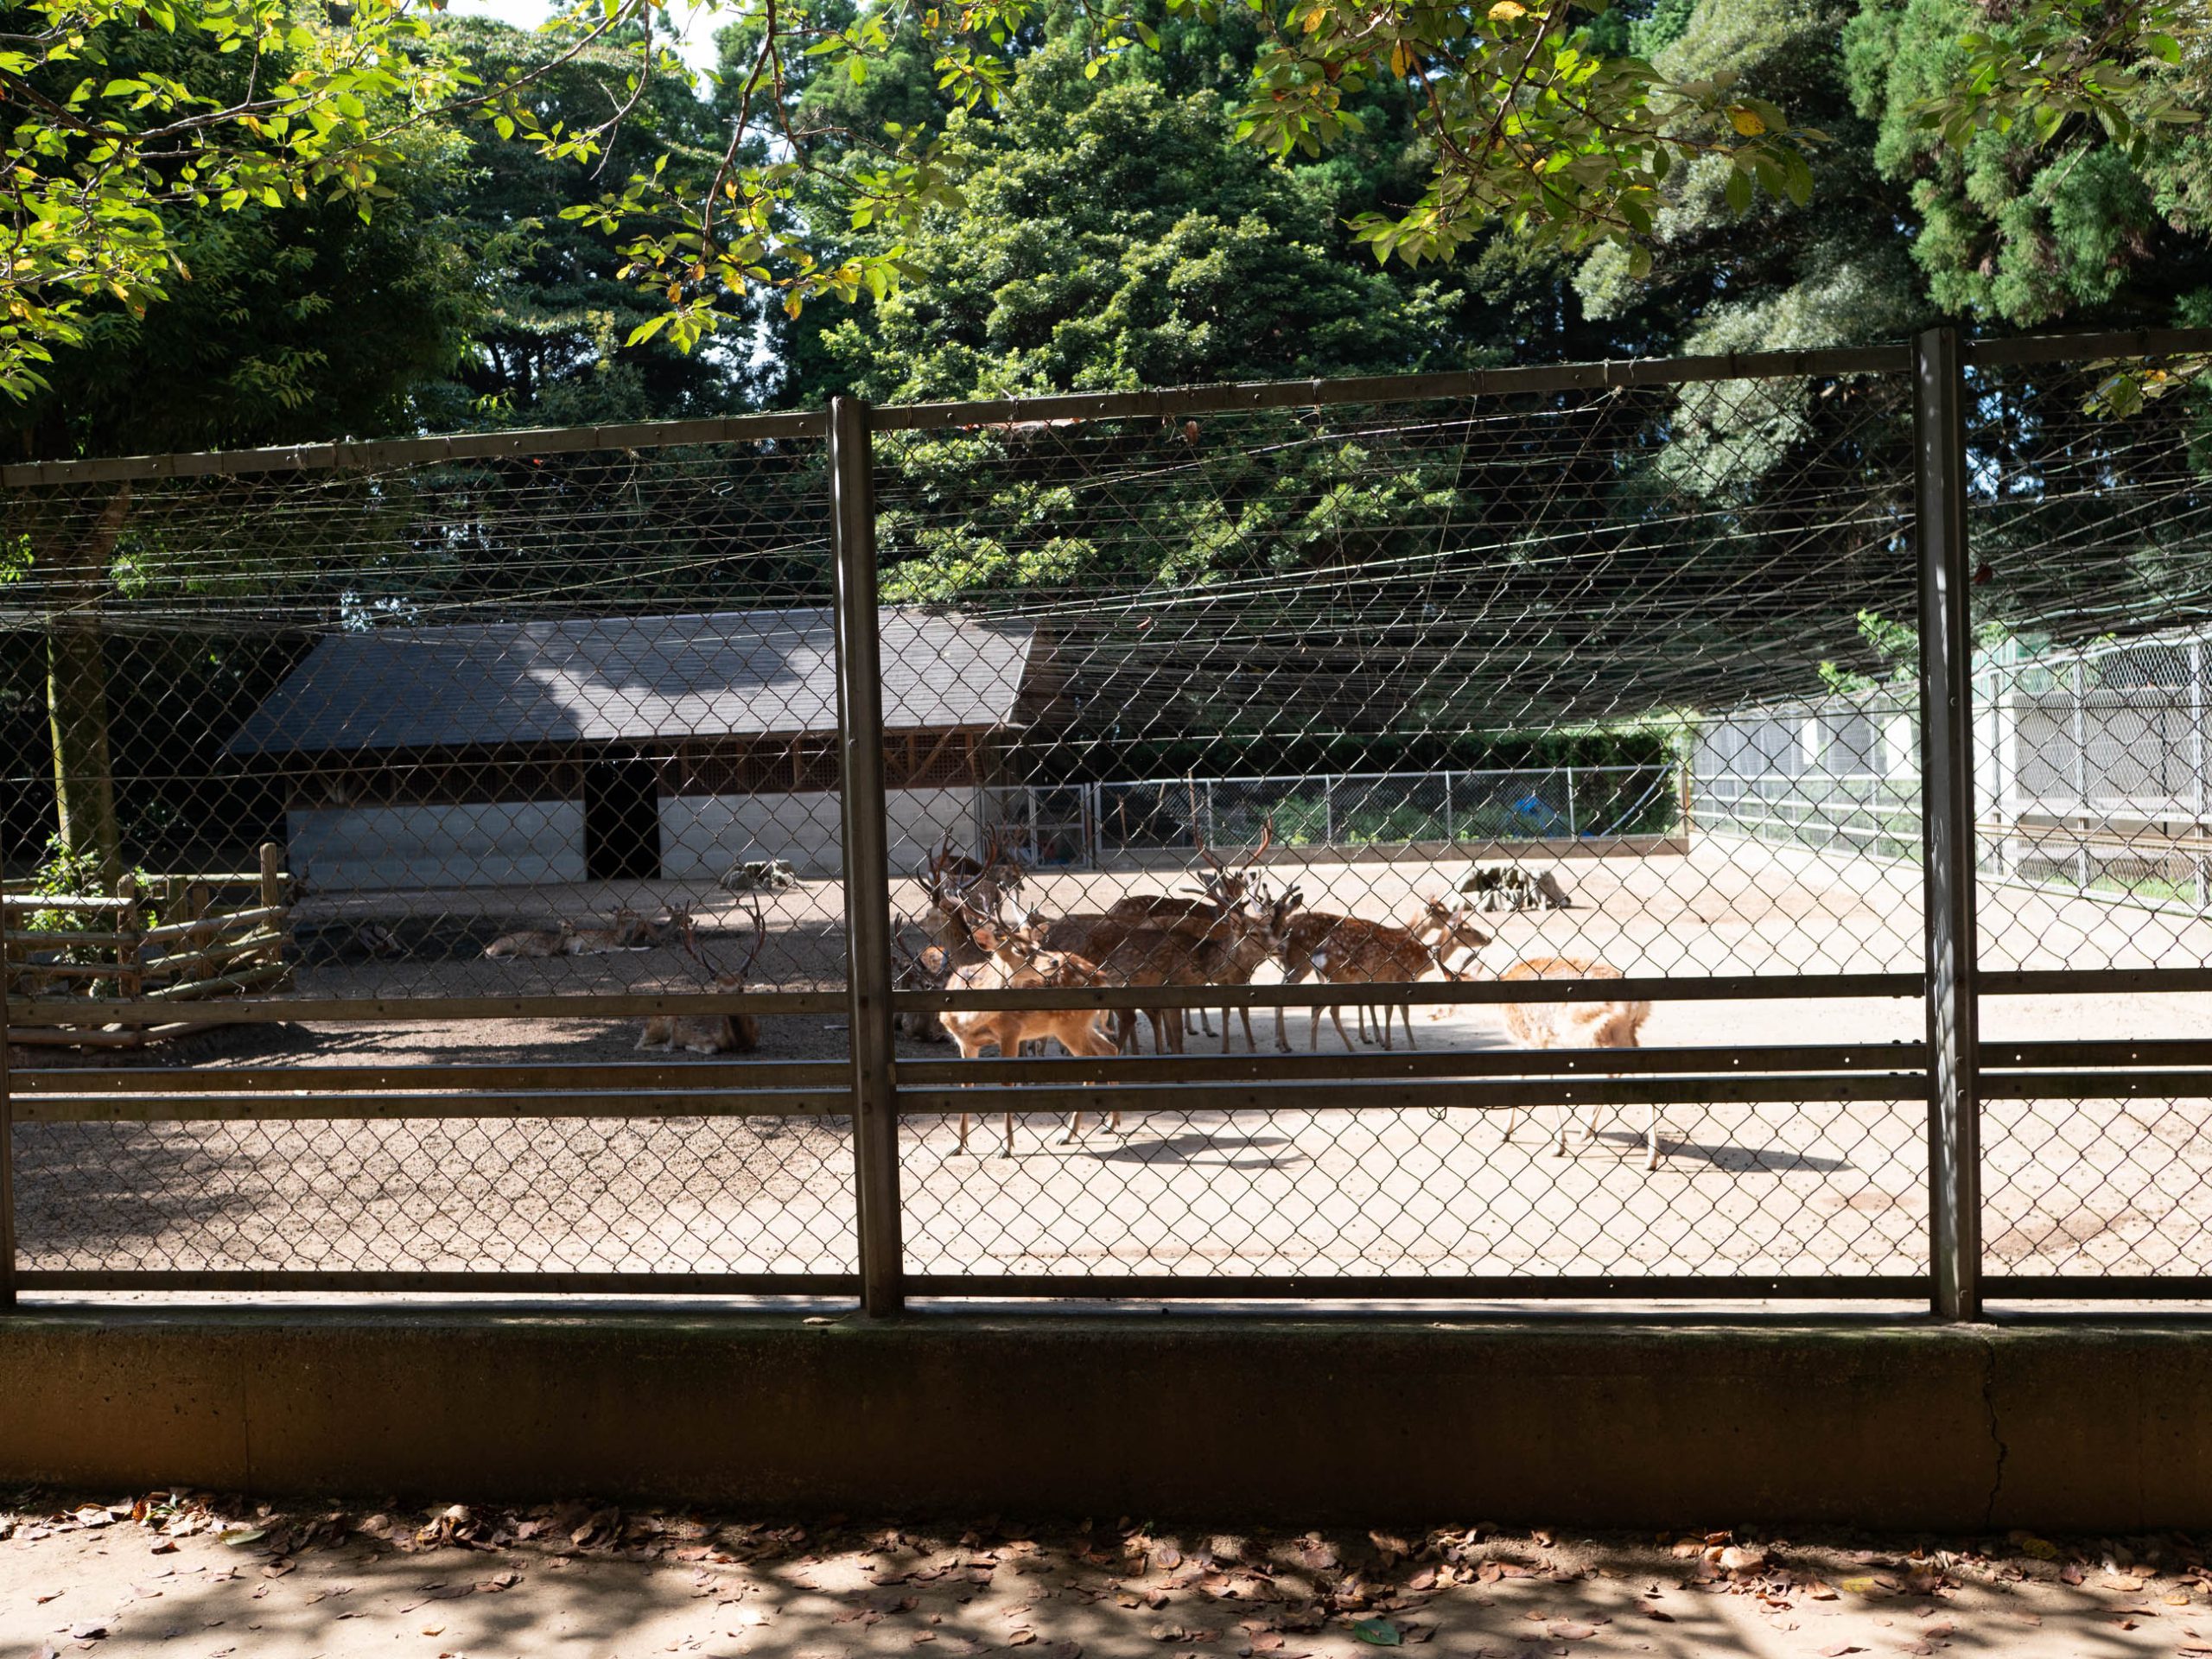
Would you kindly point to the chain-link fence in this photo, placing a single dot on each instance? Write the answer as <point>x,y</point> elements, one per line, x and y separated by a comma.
<point>1456,835</point>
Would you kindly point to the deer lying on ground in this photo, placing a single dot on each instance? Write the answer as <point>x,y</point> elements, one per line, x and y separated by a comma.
<point>533,941</point>
<point>1351,950</point>
<point>711,1034</point>
<point>630,931</point>
<point>1554,1025</point>
<point>1015,959</point>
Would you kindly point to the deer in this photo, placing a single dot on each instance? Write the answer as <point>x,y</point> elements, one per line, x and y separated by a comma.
<point>1015,959</point>
<point>997,873</point>
<point>1219,892</point>
<point>630,931</point>
<point>1554,1025</point>
<point>1353,950</point>
<point>926,970</point>
<point>533,941</point>
<point>710,1033</point>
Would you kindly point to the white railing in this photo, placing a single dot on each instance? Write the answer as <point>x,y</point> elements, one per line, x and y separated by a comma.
<point>1083,824</point>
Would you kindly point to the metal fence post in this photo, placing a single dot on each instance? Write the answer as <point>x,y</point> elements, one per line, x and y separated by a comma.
<point>7,1151</point>
<point>867,860</point>
<point>1947,818</point>
<point>2196,761</point>
<point>7,1130</point>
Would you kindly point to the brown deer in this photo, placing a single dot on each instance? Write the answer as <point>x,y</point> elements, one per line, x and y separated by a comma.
<point>711,1034</point>
<point>1353,950</point>
<point>1219,891</point>
<point>533,941</point>
<point>1016,960</point>
<point>1564,1025</point>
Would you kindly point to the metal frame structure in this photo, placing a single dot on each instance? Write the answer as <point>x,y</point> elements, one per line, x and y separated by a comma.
<point>1951,1072</point>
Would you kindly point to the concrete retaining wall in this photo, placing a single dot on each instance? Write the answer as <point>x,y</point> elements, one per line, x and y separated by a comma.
<point>2059,1427</point>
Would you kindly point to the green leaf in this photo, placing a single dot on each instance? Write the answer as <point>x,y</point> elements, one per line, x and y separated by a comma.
<point>1379,1632</point>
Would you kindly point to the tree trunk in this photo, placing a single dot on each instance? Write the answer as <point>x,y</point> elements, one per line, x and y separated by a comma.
<point>76,691</point>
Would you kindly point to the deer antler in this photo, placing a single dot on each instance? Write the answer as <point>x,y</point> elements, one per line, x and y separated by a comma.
<point>689,935</point>
<point>759,938</point>
<point>1205,852</point>
<point>1266,840</point>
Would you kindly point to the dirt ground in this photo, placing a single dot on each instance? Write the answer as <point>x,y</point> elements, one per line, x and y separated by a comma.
<point>214,1578</point>
<point>2073,1186</point>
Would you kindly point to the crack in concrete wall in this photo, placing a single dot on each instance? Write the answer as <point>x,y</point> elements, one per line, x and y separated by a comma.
<point>1996,1429</point>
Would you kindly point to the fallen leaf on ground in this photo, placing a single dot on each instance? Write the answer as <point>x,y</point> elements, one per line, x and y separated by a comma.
<point>1837,1649</point>
<point>1379,1632</point>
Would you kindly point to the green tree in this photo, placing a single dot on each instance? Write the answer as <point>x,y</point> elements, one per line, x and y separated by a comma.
<point>546,345</point>
<point>299,321</point>
<point>2065,210</point>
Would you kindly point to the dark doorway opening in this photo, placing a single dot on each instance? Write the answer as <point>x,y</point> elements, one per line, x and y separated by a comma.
<point>621,820</point>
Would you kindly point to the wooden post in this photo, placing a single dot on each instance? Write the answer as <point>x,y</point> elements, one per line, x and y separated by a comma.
<point>130,923</point>
<point>272,897</point>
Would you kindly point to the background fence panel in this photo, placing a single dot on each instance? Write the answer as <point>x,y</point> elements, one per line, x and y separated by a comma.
<point>1403,659</point>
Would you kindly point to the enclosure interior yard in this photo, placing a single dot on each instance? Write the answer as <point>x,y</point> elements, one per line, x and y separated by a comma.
<point>1746,1187</point>
<point>640,811</point>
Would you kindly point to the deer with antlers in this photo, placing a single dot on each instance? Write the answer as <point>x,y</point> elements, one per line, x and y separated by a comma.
<point>1553,1025</point>
<point>1353,950</point>
<point>710,1033</point>
<point>1015,958</point>
<point>1219,893</point>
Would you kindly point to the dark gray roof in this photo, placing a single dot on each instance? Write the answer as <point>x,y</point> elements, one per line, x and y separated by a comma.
<point>732,672</point>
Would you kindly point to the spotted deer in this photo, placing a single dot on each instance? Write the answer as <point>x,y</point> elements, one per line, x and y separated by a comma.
<point>1353,950</point>
<point>1219,891</point>
<point>1016,960</point>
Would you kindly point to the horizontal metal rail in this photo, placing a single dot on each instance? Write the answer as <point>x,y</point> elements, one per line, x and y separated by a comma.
<point>2050,982</point>
<point>2085,348</point>
<point>1731,989</point>
<point>2096,1085</point>
<point>2099,1288</point>
<point>515,1079</point>
<point>1391,388</point>
<point>1383,1096</point>
<point>1492,1287</point>
<point>334,1107</point>
<point>1910,1058</point>
<point>2118,1053</point>
<point>416,452</point>
<point>1182,400</point>
<point>491,1281</point>
<point>583,1005</point>
<point>2100,1059</point>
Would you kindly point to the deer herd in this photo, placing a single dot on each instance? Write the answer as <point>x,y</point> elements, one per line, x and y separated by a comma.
<point>1228,924</point>
<point>1231,925</point>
